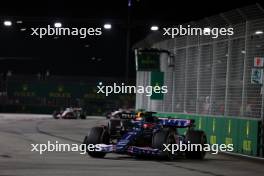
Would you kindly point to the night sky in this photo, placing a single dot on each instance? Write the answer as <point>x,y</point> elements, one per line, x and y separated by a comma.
<point>95,55</point>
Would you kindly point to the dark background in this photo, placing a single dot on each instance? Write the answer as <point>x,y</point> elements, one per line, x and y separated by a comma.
<point>93,56</point>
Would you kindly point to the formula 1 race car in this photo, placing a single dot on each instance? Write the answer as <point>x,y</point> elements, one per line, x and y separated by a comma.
<point>120,121</point>
<point>116,114</point>
<point>146,137</point>
<point>70,113</point>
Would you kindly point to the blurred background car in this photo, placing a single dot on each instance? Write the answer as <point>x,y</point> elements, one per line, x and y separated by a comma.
<point>70,113</point>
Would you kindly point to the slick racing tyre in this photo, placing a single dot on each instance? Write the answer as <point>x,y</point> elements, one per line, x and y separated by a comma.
<point>165,136</point>
<point>97,135</point>
<point>113,126</point>
<point>196,137</point>
<point>55,114</point>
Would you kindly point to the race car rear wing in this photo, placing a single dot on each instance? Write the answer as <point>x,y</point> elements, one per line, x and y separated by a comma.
<point>135,115</point>
<point>179,123</point>
<point>128,115</point>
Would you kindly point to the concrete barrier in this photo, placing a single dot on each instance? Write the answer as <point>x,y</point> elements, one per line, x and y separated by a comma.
<point>243,133</point>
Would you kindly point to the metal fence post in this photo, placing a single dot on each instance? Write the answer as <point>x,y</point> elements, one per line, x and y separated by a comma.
<point>173,92</point>
<point>229,50</point>
<point>213,76</point>
<point>173,77</point>
<point>262,123</point>
<point>185,77</point>
<point>198,76</point>
<point>243,104</point>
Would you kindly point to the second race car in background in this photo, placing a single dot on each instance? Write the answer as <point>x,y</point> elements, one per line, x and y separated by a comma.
<point>116,114</point>
<point>70,113</point>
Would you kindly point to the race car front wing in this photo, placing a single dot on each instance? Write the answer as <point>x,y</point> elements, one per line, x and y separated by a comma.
<point>132,150</point>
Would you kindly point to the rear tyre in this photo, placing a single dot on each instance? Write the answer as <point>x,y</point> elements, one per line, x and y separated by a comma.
<point>196,137</point>
<point>112,126</point>
<point>97,135</point>
<point>55,114</point>
<point>164,136</point>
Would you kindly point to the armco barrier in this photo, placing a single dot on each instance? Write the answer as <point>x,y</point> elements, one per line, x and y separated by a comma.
<point>243,133</point>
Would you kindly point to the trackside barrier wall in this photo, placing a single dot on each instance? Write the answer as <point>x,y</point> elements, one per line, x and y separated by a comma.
<point>37,95</point>
<point>243,133</point>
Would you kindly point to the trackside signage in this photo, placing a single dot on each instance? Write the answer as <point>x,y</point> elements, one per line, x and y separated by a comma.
<point>157,80</point>
<point>149,61</point>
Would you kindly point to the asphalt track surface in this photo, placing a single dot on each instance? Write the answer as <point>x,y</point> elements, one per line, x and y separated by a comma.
<point>16,159</point>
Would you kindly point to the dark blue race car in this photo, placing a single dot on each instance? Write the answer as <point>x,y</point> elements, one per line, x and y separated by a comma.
<point>146,135</point>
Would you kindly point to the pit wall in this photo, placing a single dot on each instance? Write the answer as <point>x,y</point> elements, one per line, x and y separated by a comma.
<point>243,133</point>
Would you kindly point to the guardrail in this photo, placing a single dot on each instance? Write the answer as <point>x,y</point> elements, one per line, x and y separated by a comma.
<point>243,133</point>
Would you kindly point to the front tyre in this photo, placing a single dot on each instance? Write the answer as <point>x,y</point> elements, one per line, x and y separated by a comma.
<point>97,135</point>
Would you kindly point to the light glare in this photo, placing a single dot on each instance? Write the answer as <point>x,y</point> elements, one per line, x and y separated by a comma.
<point>258,32</point>
<point>7,23</point>
<point>57,24</point>
<point>154,28</point>
<point>107,26</point>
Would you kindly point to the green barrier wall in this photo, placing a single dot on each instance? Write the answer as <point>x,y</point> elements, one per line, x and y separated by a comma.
<point>243,133</point>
